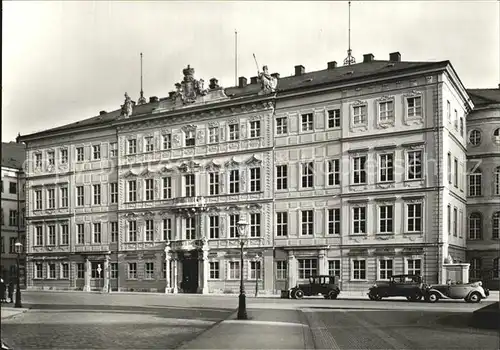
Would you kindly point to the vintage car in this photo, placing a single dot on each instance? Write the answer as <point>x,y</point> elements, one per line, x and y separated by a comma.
<point>409,286</point>
<point>327,286</point>
<point>470,292</point>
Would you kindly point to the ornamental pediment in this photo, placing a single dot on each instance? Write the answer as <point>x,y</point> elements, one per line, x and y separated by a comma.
<point>254,161</point>
<point>232,163</point>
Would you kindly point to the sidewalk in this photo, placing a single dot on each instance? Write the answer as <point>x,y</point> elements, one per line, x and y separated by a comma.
<point>10,311</point>
<point>265,329</point>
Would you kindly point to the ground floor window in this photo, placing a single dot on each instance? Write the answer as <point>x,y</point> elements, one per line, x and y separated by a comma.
<point>281,270</point>
<point>307,268</point>
<point>334,268</point>
<point>149,269</point>
<point>65,270</point>
<point>114,270</point>
<point>80,270</point>
<point>414,267</point>
<point>94,266</point>
<point>358,270</point>
<point>132,270</point>
<point>52,271</point>
<point>38,270</point>
<point>234,270</point>
<point>255,270</point>
<point>385,270</point>
<point>214,270</point>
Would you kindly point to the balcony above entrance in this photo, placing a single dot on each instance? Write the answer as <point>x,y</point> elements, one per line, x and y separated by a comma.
<point>190,205</point>
<point>188,244</point>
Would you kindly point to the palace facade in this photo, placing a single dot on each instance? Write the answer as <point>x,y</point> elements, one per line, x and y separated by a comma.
<point>357,171</point>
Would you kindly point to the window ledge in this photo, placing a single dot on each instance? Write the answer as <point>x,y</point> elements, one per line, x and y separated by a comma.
<point>414,233</point>
<point>353,280</point>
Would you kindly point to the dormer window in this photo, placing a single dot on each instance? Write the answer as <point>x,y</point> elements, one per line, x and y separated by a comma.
<point>190,139</point>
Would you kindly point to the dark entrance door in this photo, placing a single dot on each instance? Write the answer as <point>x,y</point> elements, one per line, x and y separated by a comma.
<point>190,274</point>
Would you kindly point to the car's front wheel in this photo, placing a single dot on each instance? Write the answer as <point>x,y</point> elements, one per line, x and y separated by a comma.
<point>414,297</point>
<point>432,297</point>
<point>299,294</point>
<point>374,296</point>
<point>475,297</point>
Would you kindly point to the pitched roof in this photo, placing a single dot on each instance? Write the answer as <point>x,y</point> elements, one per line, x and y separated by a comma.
<point>483,97</point>
<point>13,154</point>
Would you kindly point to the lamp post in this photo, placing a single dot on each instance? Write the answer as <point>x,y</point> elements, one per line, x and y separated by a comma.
<point>242,307</point>
<point>19,247</point>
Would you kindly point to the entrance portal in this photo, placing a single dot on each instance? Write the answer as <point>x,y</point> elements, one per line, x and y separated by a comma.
<point>189,282</point>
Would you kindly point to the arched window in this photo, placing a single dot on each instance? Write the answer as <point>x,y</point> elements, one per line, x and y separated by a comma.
<point>495,234</point>
<point>475,137</point>
<point>475,268</point>
<point>496,268</point>
<point>475,181</point>
<point>496,136</point>
<point>475,226</point>
<point>496,181</point>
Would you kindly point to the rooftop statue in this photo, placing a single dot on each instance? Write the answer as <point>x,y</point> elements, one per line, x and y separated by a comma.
<point>190,88</point>
<point>127,107</point>
<point>267,81</point>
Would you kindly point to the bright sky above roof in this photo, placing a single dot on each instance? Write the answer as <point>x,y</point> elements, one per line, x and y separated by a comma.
<point>66,61</point>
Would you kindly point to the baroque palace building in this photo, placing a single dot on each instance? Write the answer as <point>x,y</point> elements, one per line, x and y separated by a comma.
<point>357,171</point>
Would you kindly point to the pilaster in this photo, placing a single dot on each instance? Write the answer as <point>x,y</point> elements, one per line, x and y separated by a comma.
<point>88,266</point>
<point>167,270</point>
<point>106,274</point>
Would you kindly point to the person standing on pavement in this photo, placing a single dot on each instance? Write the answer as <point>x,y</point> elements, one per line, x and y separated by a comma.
<point>2,290</point>
<point>11,291</point>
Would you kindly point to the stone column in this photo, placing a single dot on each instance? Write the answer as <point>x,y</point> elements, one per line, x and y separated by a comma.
<point>175,278</point>
<point>88,267</point>
<point>178,228</point>
<point>204,269</point>
<point>107,276</point>
<point>291,271</point>
<point>322,263</point>
<point>167,270</point>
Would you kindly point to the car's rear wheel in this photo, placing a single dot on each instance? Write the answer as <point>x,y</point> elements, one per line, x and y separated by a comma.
<point>432,297</point>
<point>414,297</point>
<point>299,294</point>
<point>376,296</point>
<point>332,295</point>
<point>475,297</point>
<point>292,294</point>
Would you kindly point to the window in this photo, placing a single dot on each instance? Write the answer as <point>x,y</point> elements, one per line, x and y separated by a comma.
<point>51,196</point>
<point>255,225</point>
<point>475,137</point>
<point>214,270</point>
<point>386,218</point>
<point>149,144</point>
<point>496,136</point>
<point>475,268</point>
<point>149,231</point>
<point>132,231</point>
<point>38,200</point>
<point>149,270</point>
<point>80,229</point>
<point>39,235</point>
<point>114,270</point>
<point>132,146</point>
<point>96,189</point>
<point>190,186</point>
<point>80,270</point>
<point>456,120</point>
<point>12,245</point>
<point>96,152</point>
<point>359,170</point>
<point>190,138</point>
<point>334,118</point>
<point>281,270</point>
<point>414,267</point>
<point>385,269</point>
<point>461,126</point>
<point>307,268</point>
<point>149,189</point>
<point>334,221</point>
<point>414,217</point>
<point>475,226</point>
<point>475,183</point>
<point>359,115</point>
<point>80,154</point>
<point>114,231</point>
<point>64,155</point>
<point>132,191</point>
<point>167,187</point>
<point>359,220</point>
<point>80,196</point>
<point>191,228</point>
<point>496,181</point>
<point>414,106</point>
<point>449,168</point>
<point>234,132</point>
<point>307,175</point>
<point>307,122</point>
<point>282,224</point>
<point>213,134</point>
<point>255,128</point>
<point>358,270</point>
<point>97,232</point>
<point>495,234</point>
<point>51,156</point>
<point>496,267</point>
<point>167,141</point>
<point>281,177</point>
<point>455,179</point>
<point>333,172</point>
<point>38,160</point>
<point>64,234</point>
<point>234,270</point>
<point>52,235</point>
<point>12,187</point>
<point>113,149</point>
<point>213,226</point>
<point>255,270</point>
<point>281,125</point>
<point>254,179</point>
<point>449,218</point>
<point>64,197</point>
<point>113,193</point>
<point>307,219</point>
<point>448,111</point>
<point>167,229</point>
<point>234,181</point>
<point>386,111</point>
<point>334,268</point>
<point>386,164</point>
<point>52,271</point>
<point>132,271</point>
<point>64,270</point>
<point>214,184</point>
<point>233,227</point>
<point>38,270</point>
<point>414,165</point>
<point>12,217</point>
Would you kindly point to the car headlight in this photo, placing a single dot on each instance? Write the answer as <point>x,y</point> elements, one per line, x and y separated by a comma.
<point>374,286</point>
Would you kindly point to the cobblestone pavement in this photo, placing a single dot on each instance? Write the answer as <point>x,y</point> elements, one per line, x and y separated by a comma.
<point>374,329</point>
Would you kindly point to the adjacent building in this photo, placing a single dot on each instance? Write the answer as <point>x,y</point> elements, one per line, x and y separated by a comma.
<point>357,171</point>
<point>13,207</point>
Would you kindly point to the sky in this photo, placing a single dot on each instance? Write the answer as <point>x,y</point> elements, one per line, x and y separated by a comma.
<point>66,61</point>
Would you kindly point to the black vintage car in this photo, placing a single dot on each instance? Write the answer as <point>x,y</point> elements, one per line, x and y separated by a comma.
<point>409,286</point>
<point>327,286</point>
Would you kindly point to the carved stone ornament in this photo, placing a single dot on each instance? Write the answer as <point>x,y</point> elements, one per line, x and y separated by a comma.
<point>359,103</point>
<point>212,166</point>
<point>147,173</point>
<point>232,121</point>
<point>233,209</point>
<point>130,215</point>
<point>213,124</point>
<point>268,83</point>
<point>128,174</point>
<point>166,131</point>
<point>190,88</point>
<point>188,167</point>
<point>189,128</point>
<point>254,208</point>
<point>126,108</point>
<point>232,163</point>
<point>148,214</point>
<point>253,161</point>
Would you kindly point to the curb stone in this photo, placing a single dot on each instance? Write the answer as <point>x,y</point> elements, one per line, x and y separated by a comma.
<point>22,311</point>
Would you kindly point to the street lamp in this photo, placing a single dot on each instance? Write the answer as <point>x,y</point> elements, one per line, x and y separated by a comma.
<point>242,307</point>
<point>19,248</point>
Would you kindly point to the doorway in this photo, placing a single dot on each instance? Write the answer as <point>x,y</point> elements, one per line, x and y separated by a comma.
<point>189,282</point>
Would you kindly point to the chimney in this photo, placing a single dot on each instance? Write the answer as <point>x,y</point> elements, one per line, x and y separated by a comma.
<point>153,99</point>
<point>332,65</point>
<point>242,82</point>
<point>276,75</point>
<point>299,70</point>
<point>102,112</point>
<point>368,57</point>
<point>395,57</point>
<point>253,80</point>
